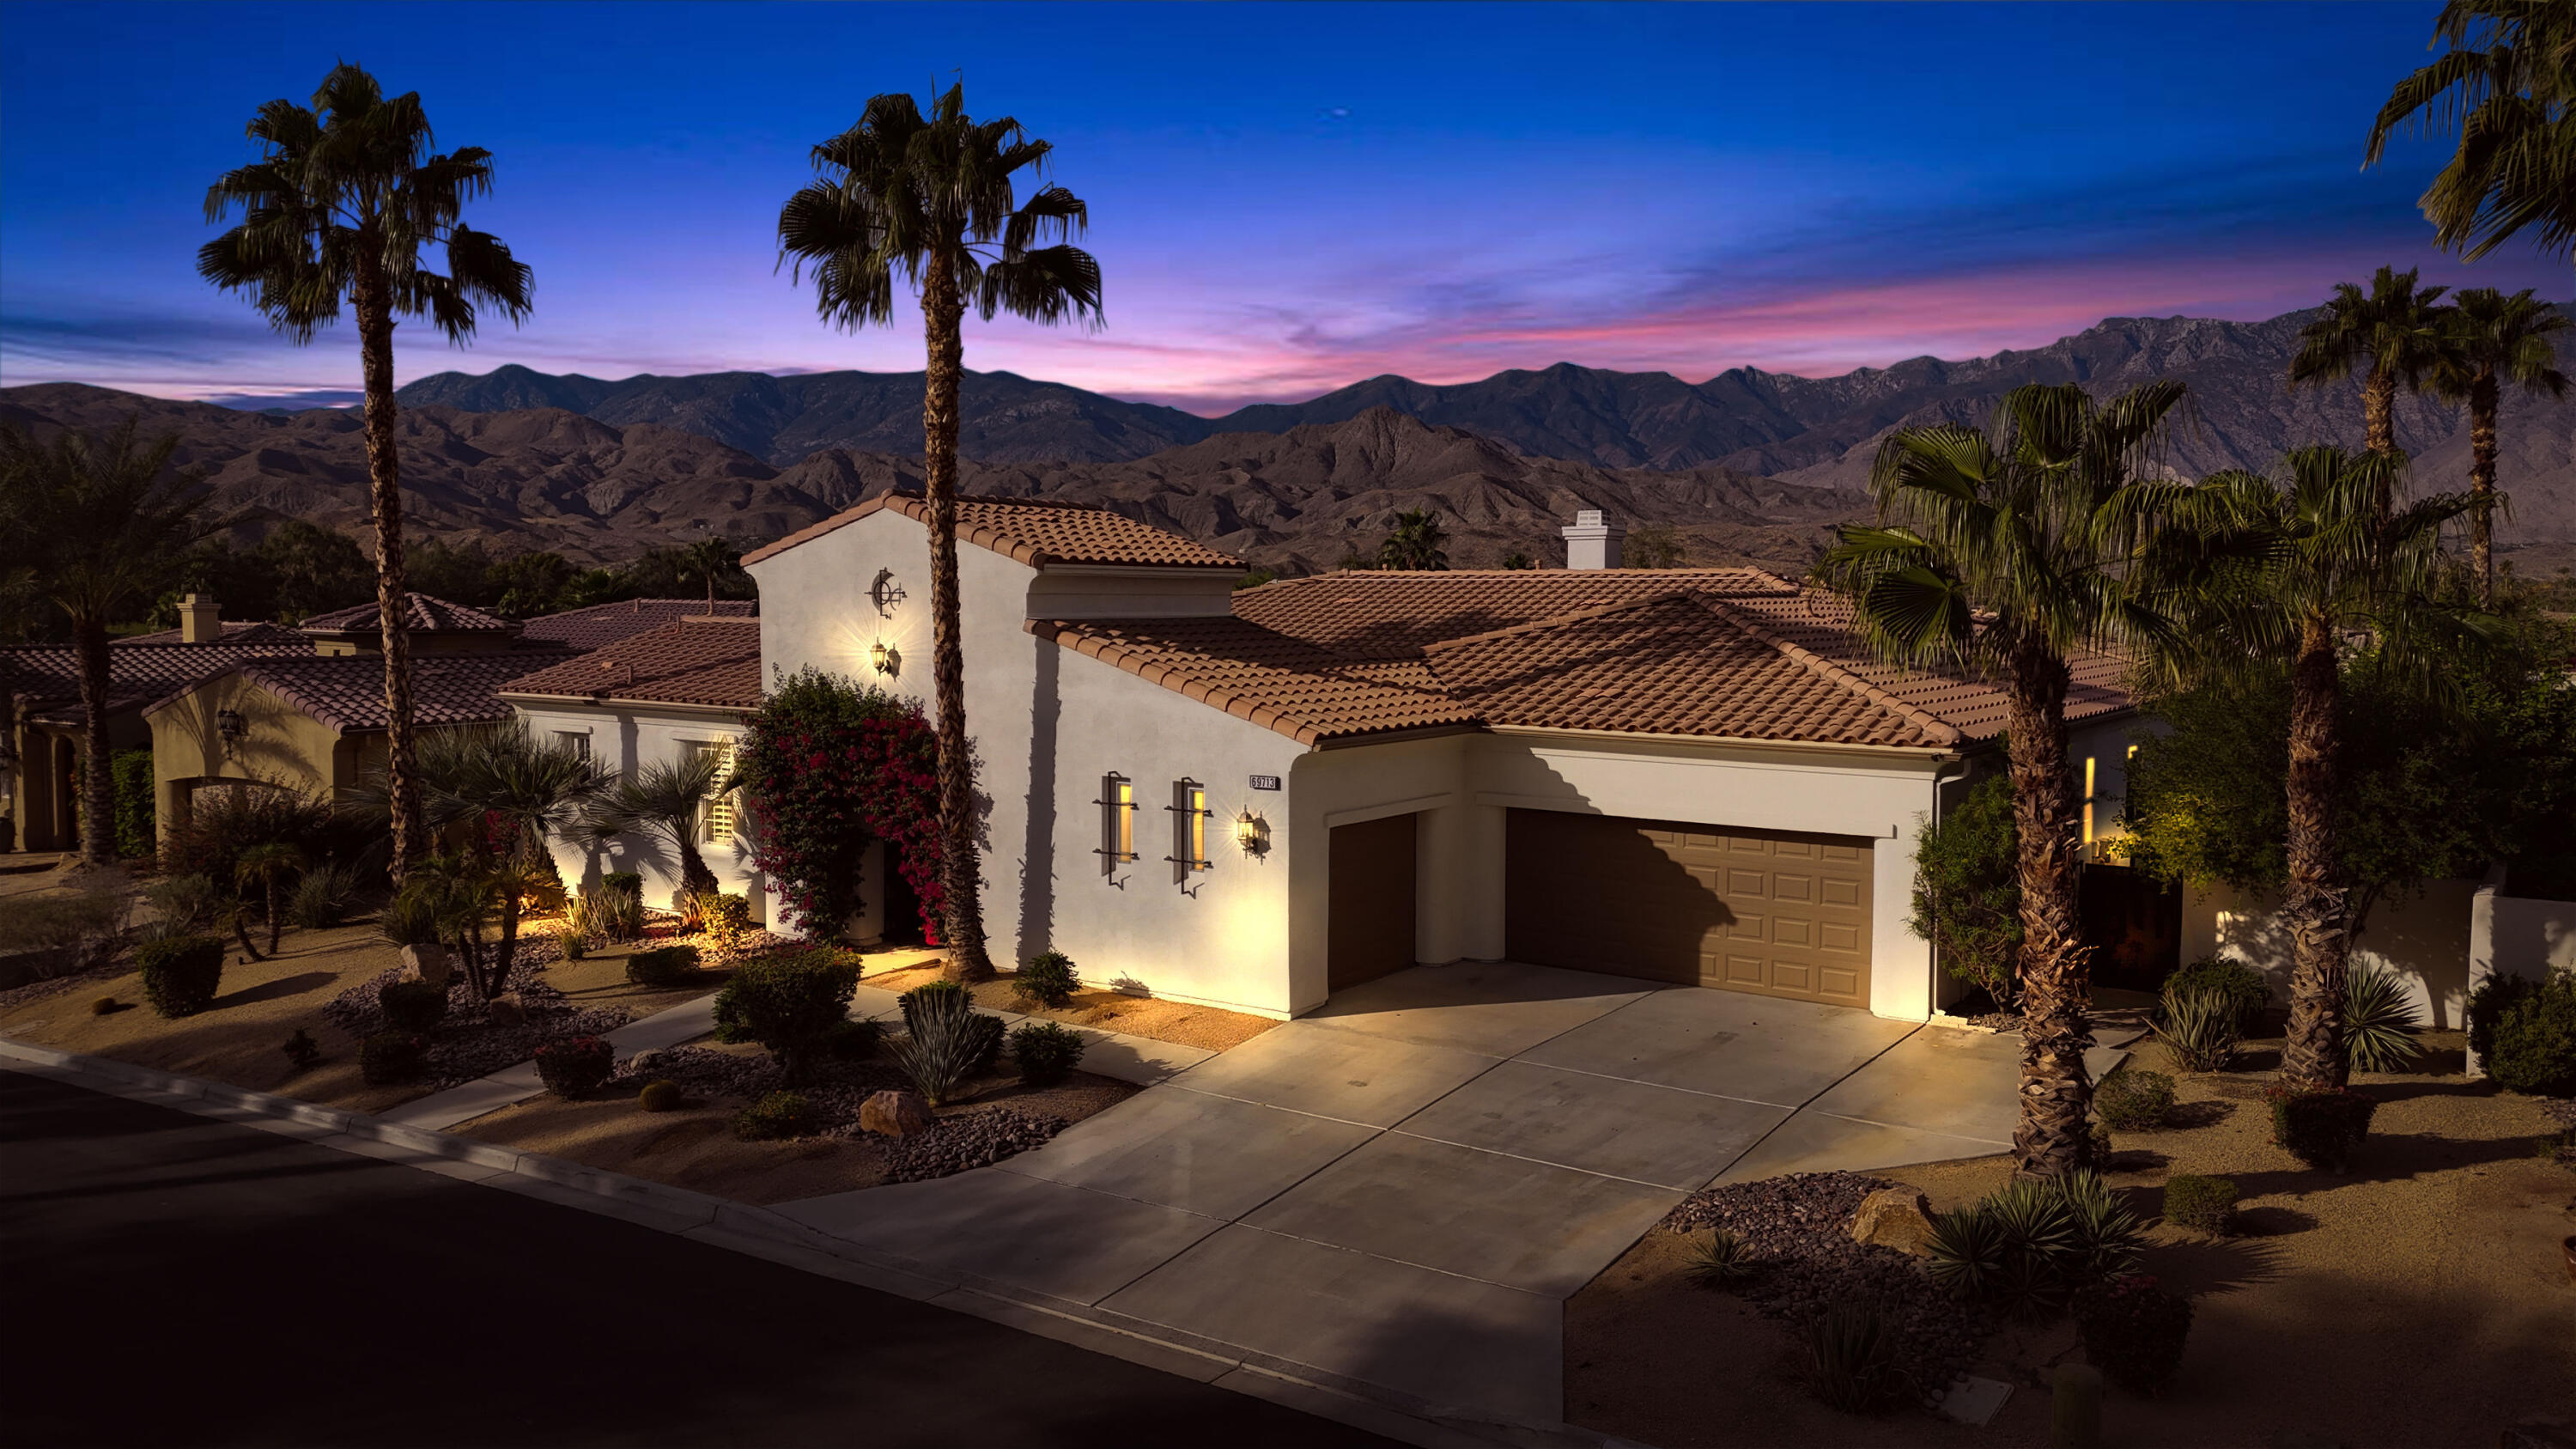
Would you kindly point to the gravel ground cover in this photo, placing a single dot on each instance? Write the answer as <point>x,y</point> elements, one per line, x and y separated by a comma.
<point>471,1042</point>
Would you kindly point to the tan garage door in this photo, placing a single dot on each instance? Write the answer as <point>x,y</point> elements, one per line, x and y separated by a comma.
<point>1370,932</point>
<point>1764,911</point>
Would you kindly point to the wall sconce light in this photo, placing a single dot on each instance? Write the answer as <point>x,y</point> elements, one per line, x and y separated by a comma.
<point>1253,834</point>
<point>887,659</point>
<point>229,724</point>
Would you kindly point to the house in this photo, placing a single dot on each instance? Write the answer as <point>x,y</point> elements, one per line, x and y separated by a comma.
<point>659,696</point>
<point>1253,799</point>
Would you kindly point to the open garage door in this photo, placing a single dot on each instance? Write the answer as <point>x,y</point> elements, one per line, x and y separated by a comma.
<point>1772,912</point>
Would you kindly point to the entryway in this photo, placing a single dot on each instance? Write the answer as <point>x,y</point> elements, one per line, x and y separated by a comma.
<point>1369,928</point>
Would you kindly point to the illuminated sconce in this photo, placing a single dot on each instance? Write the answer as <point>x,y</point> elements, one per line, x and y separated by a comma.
<point>887,659</point>
<point>1253,834</point>
<point>229,724</point>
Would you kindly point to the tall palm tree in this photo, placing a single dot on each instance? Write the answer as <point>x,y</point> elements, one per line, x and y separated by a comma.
<point>2496,339</point>
<point>668,800</point>
<point>931,198</point>
<point>709,557</point>
<point>1415,542</point>
<point>2508,85</point>
<point>2393,333</point>
<point>2001,556</point>
<point>341,204</point>
<point>2271,576</point>
<point>102,525</point>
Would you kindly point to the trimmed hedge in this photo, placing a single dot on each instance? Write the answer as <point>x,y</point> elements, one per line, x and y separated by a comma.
<point>2133,1100</point>
<point>1046,1051</point>
<point>665,966</point>
<point>2524,1032</point>
<point>2321,1127</point>
<point>793,1003</point>
<point>1049,978</point>
<point>780,1114</point>
<point>2202,1203</point>
<point>129,774</point>
<point>575,1065</point>
<point>181,974</point>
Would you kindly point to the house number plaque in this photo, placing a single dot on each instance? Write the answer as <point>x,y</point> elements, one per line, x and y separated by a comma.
<point>1265,782</point>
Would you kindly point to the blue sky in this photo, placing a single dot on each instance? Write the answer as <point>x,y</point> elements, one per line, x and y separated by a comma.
<point>1284,198</point>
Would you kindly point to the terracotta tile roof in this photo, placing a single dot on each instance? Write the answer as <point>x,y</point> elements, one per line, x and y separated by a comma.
<point>347,691</point>
<point>1366,614</point>
<point>1821,623</point>
<point>46,679</point>
<point>689,661</point>
<point>1035,531</point>
<point>604,624</point>
<point>236,631</point>
<point>421,613</point>
<point>1278,682</point>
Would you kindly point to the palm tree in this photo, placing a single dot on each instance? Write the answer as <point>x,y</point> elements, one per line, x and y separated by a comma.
<point>102,524</point>
<point>709,557</point>
<point>2508,85</point>
<point>931,198</point>
<point>2496,339</point>
<point>2000,557</point>
<point>504,774</point>
<point>668,800</point>
<point>1414,543</point>
<point>341,204</point>
<point>269,867</point>
<point>2393,332</point>
<point>2277,576</point>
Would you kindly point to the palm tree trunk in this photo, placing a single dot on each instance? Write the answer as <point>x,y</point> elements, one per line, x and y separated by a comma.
<point>695,878</point>
<point>241,930</point>
<point>98,790</point>
<point>2316,903</point>
<point>943,315</point>
<point>384,485</point>
<point>2483,400</point>
<point>2054,1136</point>
<point>2379,411</point>
<point>276,917</point>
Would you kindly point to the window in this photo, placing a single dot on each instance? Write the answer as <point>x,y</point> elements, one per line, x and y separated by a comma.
<point>719,811</point>
<point>577,741</point>
<point>1117,822</point>
<point>1189,828</point>
<point>2088,799</point>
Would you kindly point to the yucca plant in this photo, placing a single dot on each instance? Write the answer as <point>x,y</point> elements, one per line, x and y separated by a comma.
<point>2034,1218</point>
<point>1967,1251</point>
<point>2201,1029</point>
<point>2379,1022</point>
<point>1852,1348</point>
<point>1719,1260</point>
<point>2105,1236</point>
<point>945,1040</point>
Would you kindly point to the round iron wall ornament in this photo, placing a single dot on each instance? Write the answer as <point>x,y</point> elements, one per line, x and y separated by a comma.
<point>885,593</point>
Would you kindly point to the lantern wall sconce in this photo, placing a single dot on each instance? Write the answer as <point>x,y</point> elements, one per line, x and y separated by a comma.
<point>885,593</point>
<point>229,724</point>
<point>1253,834</point>
<point>887,659</point>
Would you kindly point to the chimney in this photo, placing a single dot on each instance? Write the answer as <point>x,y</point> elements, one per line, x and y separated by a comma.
<point>1592,540</point>
<point>200,622</point>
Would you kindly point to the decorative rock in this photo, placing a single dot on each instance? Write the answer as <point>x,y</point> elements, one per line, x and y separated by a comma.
<point>426,961</point>
<point>1895,1217</point>
<point>506,1009</point>
<point>896,1114</point>
<point>643,1063</point>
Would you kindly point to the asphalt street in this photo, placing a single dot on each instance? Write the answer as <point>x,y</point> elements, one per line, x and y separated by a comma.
<point>166,1279</point>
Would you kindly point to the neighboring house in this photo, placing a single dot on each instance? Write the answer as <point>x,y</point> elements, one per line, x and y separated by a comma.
<point>41,719</point>
<point>675,691</point>
<point>603,624</point>
<point>1255,799</point>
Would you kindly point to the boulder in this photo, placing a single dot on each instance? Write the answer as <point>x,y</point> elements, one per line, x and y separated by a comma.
<point>506,1009</point>
<point>895,1114</point>
<point>426,961</point>
<point>643,1063</point>
<point>1895,1217</point>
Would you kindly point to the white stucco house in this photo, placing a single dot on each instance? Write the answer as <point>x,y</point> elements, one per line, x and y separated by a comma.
<point>1255,798</point>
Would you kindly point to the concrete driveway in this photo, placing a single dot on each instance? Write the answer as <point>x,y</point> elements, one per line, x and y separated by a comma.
<point>1400,1191</point>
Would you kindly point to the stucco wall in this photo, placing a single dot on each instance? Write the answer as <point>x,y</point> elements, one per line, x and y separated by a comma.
<point>2422,937</point>
<point>626,738</point>
<point>280,744</point>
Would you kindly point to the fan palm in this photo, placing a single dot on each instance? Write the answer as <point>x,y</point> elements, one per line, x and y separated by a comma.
<point>342,202</point>
<point>2394,333</point>
<point>2001,556</point>
<point>669,800</point>
<point>2508,84</point>
<point>479,777</point>
<point>2496,339</point>
<point>710,557</point>
<point>2272,576</point>
<point>101,524</point>
<point>269,867</point>
<point>930,200</point>
<point>1414,543</point>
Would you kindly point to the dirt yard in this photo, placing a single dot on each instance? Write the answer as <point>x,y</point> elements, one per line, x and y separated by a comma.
<point>1204,1027</point>
<point>2419,1300</point>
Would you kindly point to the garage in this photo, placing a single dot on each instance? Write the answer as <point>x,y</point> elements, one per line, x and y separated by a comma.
<point>1777,913</point>
<point>1370,931</point>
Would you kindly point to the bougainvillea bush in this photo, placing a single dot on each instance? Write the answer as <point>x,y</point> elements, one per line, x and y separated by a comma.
<point>826,766</point>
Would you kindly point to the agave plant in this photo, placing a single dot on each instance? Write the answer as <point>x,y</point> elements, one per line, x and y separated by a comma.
<point>1967,1251</point>
<point>1719,1260</point>
<point>2034,1218</point>
<point>2379,1021</point>
<point>1852,1348</point>
<point>2105,1235</point>
<point>2201,1029</point>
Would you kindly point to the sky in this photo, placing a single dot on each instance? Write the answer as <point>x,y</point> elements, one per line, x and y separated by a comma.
<point>1284,198</point>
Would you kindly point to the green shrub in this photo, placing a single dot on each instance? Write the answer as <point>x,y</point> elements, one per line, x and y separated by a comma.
<point>661,1097</point>
<point>1719,1260</point>
<point>413,1006</point>
<point>574,941</point>
<point>946,1042</point>
<point>2529,1029</point>
<point>185,903</point>
<point>129,774</point>
<point>390,1057</point>
<point>2240,985</point>
<point>106,1006</point>
<point>1967,891</point>
<point>302,1051</point>
<point>2205,1204</point>
<point>792,1003</point>
<point>1851,1350</point>
<point>2134,1332</point>
<point>2201,1028</point>
<point>619,906</point>
<point>47,923</point>
<point>1049,978</point>
<point>2321,1127</point>
<point>575,1065</point>
<point>181,974</point>
<point>1967,1251</point>
<point>2379,1022</point>
<point>323,897</point>
<point>1046,1051</point>
<point>780,1114</point>
<point>724,917</point>
<point>2133,1100</point>
<point>855,1040</point>
<point>667,966</point>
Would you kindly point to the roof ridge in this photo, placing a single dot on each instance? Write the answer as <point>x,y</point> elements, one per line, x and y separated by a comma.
<point>1931,724</point>
<point>1558,621</point>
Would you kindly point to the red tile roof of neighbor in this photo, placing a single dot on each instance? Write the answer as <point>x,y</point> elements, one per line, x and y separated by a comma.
<point>347,691</point>
<point>46,678</point>
<point>603,624</point>
<point>236,631</point>
<point>700,661</point>
<point>421,613</point>
<point>1035,531</point>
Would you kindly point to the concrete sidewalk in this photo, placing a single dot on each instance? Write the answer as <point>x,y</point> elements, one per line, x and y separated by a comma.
<point>1400,1191</point>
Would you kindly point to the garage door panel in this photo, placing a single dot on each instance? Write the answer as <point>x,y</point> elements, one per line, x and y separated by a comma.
<point>1774,913</point>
